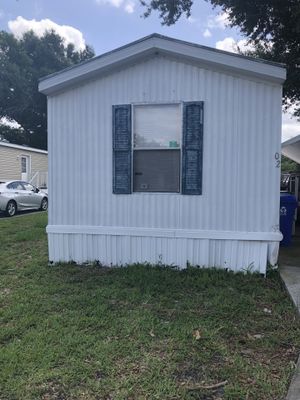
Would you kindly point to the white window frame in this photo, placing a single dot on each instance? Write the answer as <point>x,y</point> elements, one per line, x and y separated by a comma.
<point>28,156</point>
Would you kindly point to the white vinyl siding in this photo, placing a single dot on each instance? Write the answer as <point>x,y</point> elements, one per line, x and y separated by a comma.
<point>242,128</point>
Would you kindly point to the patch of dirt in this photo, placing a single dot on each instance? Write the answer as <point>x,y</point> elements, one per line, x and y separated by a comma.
<point>189,374</point>
<point>53,391</point>
<point>192,380</point>
<point>5,292</point>
<point>99,375</point>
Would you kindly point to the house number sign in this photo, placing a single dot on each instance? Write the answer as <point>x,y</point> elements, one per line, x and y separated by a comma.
<point>277,160</point>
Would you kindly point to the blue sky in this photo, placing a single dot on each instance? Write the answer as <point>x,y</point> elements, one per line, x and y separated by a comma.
<point>108,24</point>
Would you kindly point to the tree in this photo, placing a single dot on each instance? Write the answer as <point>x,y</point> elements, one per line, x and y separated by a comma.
<point>23,62</point>
<point>272,26</point>
<point>169,10</point>
<point>288,165</point>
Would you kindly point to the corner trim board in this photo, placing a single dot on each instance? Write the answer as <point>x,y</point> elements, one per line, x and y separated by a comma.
<point>161,232</point>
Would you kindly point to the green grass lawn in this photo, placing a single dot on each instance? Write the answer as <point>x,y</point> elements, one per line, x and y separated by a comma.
<point>70,332</point>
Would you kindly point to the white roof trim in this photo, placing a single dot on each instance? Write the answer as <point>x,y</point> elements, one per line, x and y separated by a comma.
<point>24,148</point>
<point>157,44</point>
<point>291,148</point>
<point>291,141</point>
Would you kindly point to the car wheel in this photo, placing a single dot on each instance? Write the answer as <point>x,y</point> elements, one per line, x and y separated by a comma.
<point>44,204</point>
<point>11,208</point>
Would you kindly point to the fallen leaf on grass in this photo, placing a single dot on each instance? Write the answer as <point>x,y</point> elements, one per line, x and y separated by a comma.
<point>267,310</point>
<point>5,291</point>
<point>247,352</point>
<point>256,336</point>
<point>197,334</point>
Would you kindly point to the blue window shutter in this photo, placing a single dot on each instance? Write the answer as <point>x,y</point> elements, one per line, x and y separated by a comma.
<point>122,149</point>
<point>192,148</point>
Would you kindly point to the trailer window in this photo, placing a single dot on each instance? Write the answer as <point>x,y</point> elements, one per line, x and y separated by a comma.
<point>157,148</point>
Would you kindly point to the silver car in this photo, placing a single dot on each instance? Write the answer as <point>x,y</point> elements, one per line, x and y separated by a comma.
<point>19,196</point>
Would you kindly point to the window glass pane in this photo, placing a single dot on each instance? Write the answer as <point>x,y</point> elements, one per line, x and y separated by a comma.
<point>15,185</point>
<point>28,186</point>
<point>157,126</point>
<point>23,165</point>
<point>156,171</point>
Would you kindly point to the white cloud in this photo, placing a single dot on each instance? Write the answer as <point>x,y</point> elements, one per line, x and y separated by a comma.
<point>207,33</point>
<point>229,44</point>
<point>114,3</point>
<point>9,122</point>
<point>71,35</point>
<point>191,20</point>
<point>127,5</point>
<point>219,21</point>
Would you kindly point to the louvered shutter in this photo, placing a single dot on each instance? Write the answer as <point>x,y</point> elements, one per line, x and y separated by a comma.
<point>122,149</point>
<point>192,148</point>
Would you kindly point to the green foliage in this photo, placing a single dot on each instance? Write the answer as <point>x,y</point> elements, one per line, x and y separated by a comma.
<point>288,165</point>
<point>169,10</point>
<point>23,62</point>
<point>13,135</point>
<point>272,26</point>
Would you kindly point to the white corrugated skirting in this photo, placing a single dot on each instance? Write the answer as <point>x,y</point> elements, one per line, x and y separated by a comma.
<point>119,249</point>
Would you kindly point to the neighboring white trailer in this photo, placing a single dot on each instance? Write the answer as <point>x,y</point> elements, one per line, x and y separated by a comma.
<point>291,148</point>
<point>168,152</point>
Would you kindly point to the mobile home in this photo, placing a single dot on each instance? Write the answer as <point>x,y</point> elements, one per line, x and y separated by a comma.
<point>165,151</point>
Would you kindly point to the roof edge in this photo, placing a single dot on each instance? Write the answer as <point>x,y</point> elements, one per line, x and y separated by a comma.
<point>155,41</point>
<point>293,140</point>
<point>157,35</point>
<point>20,147</point>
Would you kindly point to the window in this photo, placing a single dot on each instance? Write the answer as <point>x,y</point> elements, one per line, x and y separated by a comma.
<point>157,126</point>
<point>156,171</point>
<point>156,148</point>
<point>23,165</point>
<point>15,186</point>
<point>28,186</point>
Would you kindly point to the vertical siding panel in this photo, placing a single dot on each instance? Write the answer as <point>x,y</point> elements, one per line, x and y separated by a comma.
<point>50,145</point>
<point>60,160</point>
<point>213,159</point>
<point>236,160</point>
<point>252,162</point>
<point>263,159</point>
